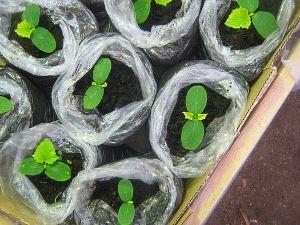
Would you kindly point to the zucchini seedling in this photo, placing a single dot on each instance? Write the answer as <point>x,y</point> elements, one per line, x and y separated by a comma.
<point>95,92</point>
<point>6,105</point>
<point>242,17</point>
<point>28,28</point>
<point>193,130</point>
<point>45,159</point>
<point>126,212</point>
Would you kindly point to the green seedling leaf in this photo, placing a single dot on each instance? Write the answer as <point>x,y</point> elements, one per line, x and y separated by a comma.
<point>43,40</point>
<point>30,167</point>
<point>102,70</point>
<point>93,97</point>
<point>264,23</point>
<point>192,134</point>
<point>142,10</point>
<point>32,14</point>
<point>196,99</point>
<point>163,2</point>
<point>126,214</point>
<point>45,152</point>
<point>250,5</point>
<point>24,29</point>
<point>5,105</point>
<point>125,190</point>
<point>58,171</point>
<point>239,18</point>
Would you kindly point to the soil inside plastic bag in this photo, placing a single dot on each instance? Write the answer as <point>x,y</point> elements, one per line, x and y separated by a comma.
<point>26,43</point>
<point>239,39</point>
<point>123,87</point>
<point>217,106</point>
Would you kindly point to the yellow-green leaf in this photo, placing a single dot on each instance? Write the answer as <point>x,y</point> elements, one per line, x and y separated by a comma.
<point>43,40</point>
<point>125,190</point>
<point>5,105</point>
<point>93,97</point>
<point>30,167</point>
<point>192,134</point>
<point>32,14</point>
<point>24,29</point>
<point>45,152</point>
<point>102,70</point>
<point>142,10</point>
<point>163,2</point>
<point>126,214</point>
<point>239,18</point>
<point>196,99</point>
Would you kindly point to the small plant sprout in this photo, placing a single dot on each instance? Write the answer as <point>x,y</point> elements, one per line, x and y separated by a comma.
<point>6,105</point>
<point>193,130</point>
<point>95,92</point>
<point>28,28</point>
<point>264,22</point>
<point>46,160</point>
<point>142,8</point>
<point>126,212</point>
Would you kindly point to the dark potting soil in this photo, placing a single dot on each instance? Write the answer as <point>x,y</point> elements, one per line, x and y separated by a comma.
<point>217,106</point>
<point>239,39</point>
<point>45,22</point>
<point>161,15</point>
<point>51,190</point>
<point>107,191</point>
<point>123,87</point>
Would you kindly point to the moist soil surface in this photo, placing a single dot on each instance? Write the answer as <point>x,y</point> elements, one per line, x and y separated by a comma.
<point>123,87</point>
<point>217,106</point>
<point>51,190</point>
<point>161,15</point>
<point>26,43</point>
<point>107,191</point>
<point>239,39</point>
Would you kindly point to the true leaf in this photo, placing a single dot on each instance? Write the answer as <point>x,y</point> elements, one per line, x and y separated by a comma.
<point>142,10</point>
<point>93,97</point>
<point>30,167</point>
<point>196,99</point>
<point>45,152</point>
<point>5,105</point>
<point>264,23</point>
<point>102,70</point>
<point>43,40</point>
<point>250,5</point>
<point>58,171</point>
<point>24,29</point>
<point>239,18</point>
<point>192,134</point>
<point>126,214</point>
<point>32,14</point>
<point>163,2</point>
<point>125,190</point>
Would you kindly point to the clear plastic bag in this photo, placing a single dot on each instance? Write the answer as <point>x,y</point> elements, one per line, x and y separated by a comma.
<point>165,43</point>
<point>220,132</point>
<point>114,127</point>
<point>155,210</point>
<point>249,62</point>
<point>75,21</point>
<point>18,187</point>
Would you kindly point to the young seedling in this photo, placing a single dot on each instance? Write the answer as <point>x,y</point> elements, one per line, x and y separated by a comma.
<point>46,160</point>
<point>142,8</point>
<point>242,17</point>
<point>28,28</point>
<point>95,92</point>
<point>193,130</point>
<point>126,212</point>
<point>6,105</point>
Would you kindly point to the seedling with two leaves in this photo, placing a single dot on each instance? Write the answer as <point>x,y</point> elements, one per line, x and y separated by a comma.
<point>242,17</point>
<point>28,28</point>
<point>6,105</point>
<point>126,212</point>
<point>45,159</point>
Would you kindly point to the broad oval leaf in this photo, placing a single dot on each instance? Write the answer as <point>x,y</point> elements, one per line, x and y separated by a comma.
<point>32,14</point>
<point>250,5</point>
<point>43,40</point>
<point>264,23</point>
<point>142,10</point>
<point>239,18</point>
<point>93,97</point>
<point>5,105</point>
<point>163,2</point>
<point>192,134</point>
<point>30,167</point>
<point>58,171</point>
<point>196,99</point>
<point>126,214</point>
<point>45,152</point>
<point>125,190</point>
<point>102,70</point>
<point>24,29</point>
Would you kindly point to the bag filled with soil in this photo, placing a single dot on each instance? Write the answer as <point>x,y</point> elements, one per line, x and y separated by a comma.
<point>242,49</point>
<point>127,99</point>
<point>156,192</point>
<point>68,21</point>
<point>52,201</point>
<point>226,100</point>
<point>169,32</point>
